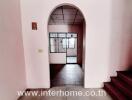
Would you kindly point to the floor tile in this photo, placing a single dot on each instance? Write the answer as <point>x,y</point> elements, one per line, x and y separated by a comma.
<point>70,88</point>
<point>90,97</point>
<point>69,74</point>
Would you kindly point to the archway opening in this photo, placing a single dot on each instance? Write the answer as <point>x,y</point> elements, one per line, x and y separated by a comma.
<point>66,30</point>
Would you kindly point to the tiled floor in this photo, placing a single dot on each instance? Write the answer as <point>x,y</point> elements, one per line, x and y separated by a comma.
<point>69,78</point>
<point>70,88</point>
<point>69,74</point>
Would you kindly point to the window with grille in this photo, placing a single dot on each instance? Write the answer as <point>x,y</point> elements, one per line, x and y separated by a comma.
<point>59,42</point>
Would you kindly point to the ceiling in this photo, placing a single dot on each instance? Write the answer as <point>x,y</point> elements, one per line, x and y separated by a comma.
<point>66,15</point>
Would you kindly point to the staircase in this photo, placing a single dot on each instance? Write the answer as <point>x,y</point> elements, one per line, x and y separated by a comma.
<point>120,87</point>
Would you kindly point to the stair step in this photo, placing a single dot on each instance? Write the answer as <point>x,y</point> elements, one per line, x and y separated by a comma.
<point>125,89</point>
<point>114,92</point>
<point>126,76</point>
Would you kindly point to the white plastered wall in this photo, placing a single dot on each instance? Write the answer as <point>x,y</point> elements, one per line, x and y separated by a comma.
<point>102,58</point>
<point>12,65</point>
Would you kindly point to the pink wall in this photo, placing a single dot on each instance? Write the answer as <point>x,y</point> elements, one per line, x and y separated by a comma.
<point>108,42</point>
<point>12,65</point>
<point>121,35</point>
<point>107,39</point>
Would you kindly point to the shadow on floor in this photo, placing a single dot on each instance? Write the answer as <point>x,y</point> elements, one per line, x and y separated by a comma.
<point>69,74</point>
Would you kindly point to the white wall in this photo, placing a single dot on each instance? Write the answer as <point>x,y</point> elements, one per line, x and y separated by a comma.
<point>12,66</point>
<point>121,35</point>
<point>100,33</point>
<point>57,58</point>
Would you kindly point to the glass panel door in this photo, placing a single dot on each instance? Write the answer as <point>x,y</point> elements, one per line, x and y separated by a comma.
<point>71,48</point>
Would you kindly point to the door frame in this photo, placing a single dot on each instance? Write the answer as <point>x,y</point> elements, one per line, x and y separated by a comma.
<point>77,48</point>
<point>84,35</point>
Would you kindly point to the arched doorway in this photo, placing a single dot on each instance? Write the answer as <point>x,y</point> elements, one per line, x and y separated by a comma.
<point>66,30</point>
